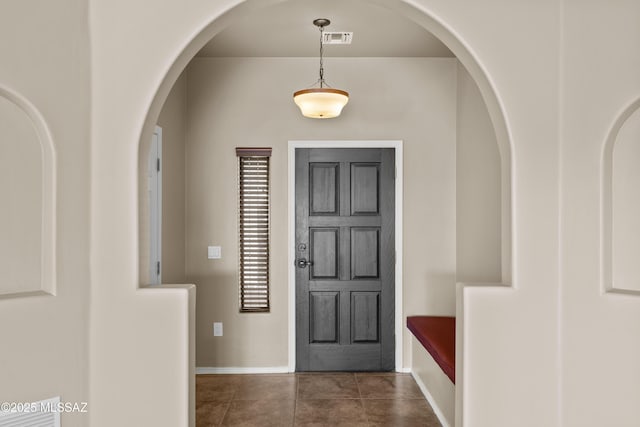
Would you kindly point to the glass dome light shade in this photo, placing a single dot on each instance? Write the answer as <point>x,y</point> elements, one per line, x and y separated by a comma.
<point>321,103</point>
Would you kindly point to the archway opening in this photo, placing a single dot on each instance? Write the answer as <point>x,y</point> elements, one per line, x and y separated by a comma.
<point>457,149</point>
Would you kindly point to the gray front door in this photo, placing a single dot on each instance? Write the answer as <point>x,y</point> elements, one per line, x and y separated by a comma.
<point>345,259</point>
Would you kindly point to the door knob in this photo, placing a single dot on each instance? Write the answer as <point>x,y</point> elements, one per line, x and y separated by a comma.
<point>302,262</point>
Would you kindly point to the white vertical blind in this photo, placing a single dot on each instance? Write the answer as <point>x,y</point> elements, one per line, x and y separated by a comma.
<point>254,197</point>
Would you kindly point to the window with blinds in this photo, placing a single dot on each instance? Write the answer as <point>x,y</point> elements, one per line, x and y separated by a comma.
<point>253,220</point>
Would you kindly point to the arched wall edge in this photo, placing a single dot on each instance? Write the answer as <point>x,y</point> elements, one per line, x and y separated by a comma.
<point>606,203</point>
<point>452,39</point>
<point>199,37</point>
<point>428,20</point>
<point>48,214</point>
<point>422,17</point>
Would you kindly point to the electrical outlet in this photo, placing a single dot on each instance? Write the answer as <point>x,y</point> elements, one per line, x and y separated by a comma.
<point>217,329</point>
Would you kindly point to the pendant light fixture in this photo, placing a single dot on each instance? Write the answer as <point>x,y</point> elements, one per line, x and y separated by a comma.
<point>323,102</point>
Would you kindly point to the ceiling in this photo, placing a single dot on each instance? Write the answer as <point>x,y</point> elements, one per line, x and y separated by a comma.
<point>286,30</point>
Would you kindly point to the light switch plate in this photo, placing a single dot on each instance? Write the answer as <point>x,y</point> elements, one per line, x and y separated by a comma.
<point>214,252</point>
<point>217,329</point>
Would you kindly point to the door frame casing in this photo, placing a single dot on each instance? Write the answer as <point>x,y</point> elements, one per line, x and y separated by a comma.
<point>291,162</point>
<point>154,174</point>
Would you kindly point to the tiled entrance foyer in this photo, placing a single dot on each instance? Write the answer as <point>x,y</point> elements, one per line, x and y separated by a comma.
<point>312,399</point>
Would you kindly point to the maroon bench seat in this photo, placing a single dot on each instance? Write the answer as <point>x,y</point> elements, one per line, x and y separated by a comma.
<point>438,335</point>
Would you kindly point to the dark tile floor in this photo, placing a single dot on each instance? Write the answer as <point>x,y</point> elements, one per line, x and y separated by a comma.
<point>312,399</point>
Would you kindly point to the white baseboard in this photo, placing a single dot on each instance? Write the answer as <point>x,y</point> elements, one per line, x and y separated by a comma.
<point>260,370</point>
<point>244,370</point>
<point>263,370</point>
<point>431,400</point>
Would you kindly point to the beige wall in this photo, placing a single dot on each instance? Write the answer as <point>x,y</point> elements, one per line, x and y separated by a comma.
<point>599,330</point>
<point>247,102</point>
<point>478,188</point>
<point>172,120</point>
<point>45,56</point>
<point>21,216</point>
<point>529,359</point>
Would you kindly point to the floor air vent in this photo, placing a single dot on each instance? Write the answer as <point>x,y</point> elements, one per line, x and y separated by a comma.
<point>37,414</point>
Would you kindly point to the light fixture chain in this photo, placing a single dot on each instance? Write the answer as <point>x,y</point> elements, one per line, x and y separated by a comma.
<point>321,62</point>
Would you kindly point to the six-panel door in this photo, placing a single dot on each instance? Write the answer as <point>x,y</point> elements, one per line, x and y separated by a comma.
<point>345,232</point>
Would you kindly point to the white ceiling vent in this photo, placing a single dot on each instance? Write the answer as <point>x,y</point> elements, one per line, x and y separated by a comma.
<point>337,37</point>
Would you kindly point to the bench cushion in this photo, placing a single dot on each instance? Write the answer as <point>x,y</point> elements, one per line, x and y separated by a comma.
<point>438,335</point>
